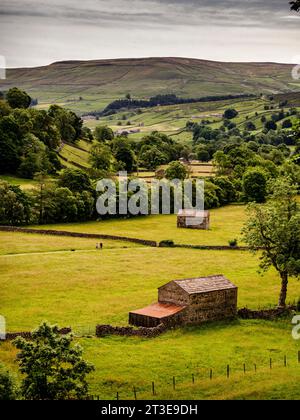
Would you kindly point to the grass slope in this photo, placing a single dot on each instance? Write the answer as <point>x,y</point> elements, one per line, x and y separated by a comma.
<point>90,85</point>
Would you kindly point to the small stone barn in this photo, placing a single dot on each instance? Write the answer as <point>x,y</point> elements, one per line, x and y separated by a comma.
<point>193,219</point>
<point>189,302</point>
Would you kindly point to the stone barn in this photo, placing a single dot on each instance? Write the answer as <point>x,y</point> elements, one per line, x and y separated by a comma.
<point>189,302</point>
<point>193,219</point>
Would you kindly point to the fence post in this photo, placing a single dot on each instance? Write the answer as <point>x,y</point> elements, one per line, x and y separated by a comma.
<point>117,396</point>
<point>174,383</point>
<point>211,374</point>
<point>244,367</point>
<point>153,388</point>
<point>228,371</point>
<point>193,378</point>
<point>285,361</point>
<point>299,356</point>
<point>255,367</point>
<point>271,364</point>
<point>134,392</point>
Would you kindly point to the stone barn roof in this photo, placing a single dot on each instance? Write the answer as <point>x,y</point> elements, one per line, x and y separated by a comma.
<point>193,213</point>
<point>204,284</point>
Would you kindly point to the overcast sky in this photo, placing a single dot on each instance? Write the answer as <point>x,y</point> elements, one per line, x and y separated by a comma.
<point>39,32</point>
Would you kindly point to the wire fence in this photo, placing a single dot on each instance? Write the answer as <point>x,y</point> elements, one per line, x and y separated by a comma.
<point>155,389</point>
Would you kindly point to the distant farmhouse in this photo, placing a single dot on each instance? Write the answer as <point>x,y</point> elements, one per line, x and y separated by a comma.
<point>189,302</point>
<point>193,219</point>
<point>127,132</point>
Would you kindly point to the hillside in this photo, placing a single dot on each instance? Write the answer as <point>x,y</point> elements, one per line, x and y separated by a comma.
<point>90,85</point>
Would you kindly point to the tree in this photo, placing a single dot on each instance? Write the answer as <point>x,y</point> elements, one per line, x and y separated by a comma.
<point>229,114</point>
<point>15,206</point>
<point>176,170</point>
<point>250,126</point>
<point>74,179</point>
<point>222,163</point>
<point>255,185</point>
<point>124,154</point>
<point>287,124</point>
<point>5,109</point>
<point>17,98</point>
<point>7,386</point>
<point>275,228</point>
<point>152,157</point>
<point>53,368</point>
<point>295,5</point>
<point>103,133</point>
<point>226,192</point>
<point>203,154</point>
<point>68,123</point>
<point>101,157</point>
<point>270,125</point>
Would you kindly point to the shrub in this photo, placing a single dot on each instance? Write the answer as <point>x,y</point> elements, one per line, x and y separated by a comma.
<point>255,185</point>
<point>233,243</point>
<point>7,386</point>
<point>166,244</point>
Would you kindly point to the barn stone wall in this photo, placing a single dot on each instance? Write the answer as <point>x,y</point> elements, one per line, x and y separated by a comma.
<point>212,306</point>
<point>204,224</point>
<point>171,293</point>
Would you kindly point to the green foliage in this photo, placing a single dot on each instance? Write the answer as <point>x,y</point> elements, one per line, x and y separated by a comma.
<point>211,199</point>
<point>30,137</point>
<point>103,133</point>
<point>101,157</point>
<point>124,154</point>
<point>275,228</point>
<point>74,179</point>
<point>227,191</point>
<point>59,204</point>
<point>54,369</point>
<point>17,98</point>
<point>270,125</point>
<point>203,155</point>
<point>152,157</point>
<point>166,243</point>
<point>287,124</point>
<point>157,149</point>
<point>250,126</point>
<point>15,206</point>
<point>176,170</point>
<point>255,185</point>
<point>233,243</point>
<point>7,386</point>
<point>230,113</point>
<point>68,123</point>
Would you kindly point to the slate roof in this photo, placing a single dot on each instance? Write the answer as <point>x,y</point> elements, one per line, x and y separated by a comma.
<point>205,284</point>
<point>193,213</point>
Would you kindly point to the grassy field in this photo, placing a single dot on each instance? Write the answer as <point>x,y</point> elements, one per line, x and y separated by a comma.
<point>226,224</point>
<point>25,184</point>
<point>42,280</point>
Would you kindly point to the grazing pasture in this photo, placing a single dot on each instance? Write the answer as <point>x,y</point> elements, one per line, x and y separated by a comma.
<point>41,279</point>
<point>226,224</point>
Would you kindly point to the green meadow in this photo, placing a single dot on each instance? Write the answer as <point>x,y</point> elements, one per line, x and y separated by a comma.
<point>226,224</point>
<point>42,279</point>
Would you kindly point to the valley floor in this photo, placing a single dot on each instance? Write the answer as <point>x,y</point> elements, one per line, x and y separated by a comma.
<point>41,279</point>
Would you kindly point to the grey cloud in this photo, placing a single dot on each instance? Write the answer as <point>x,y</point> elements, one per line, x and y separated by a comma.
<point>163,12</point>
<point>74,28</point>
